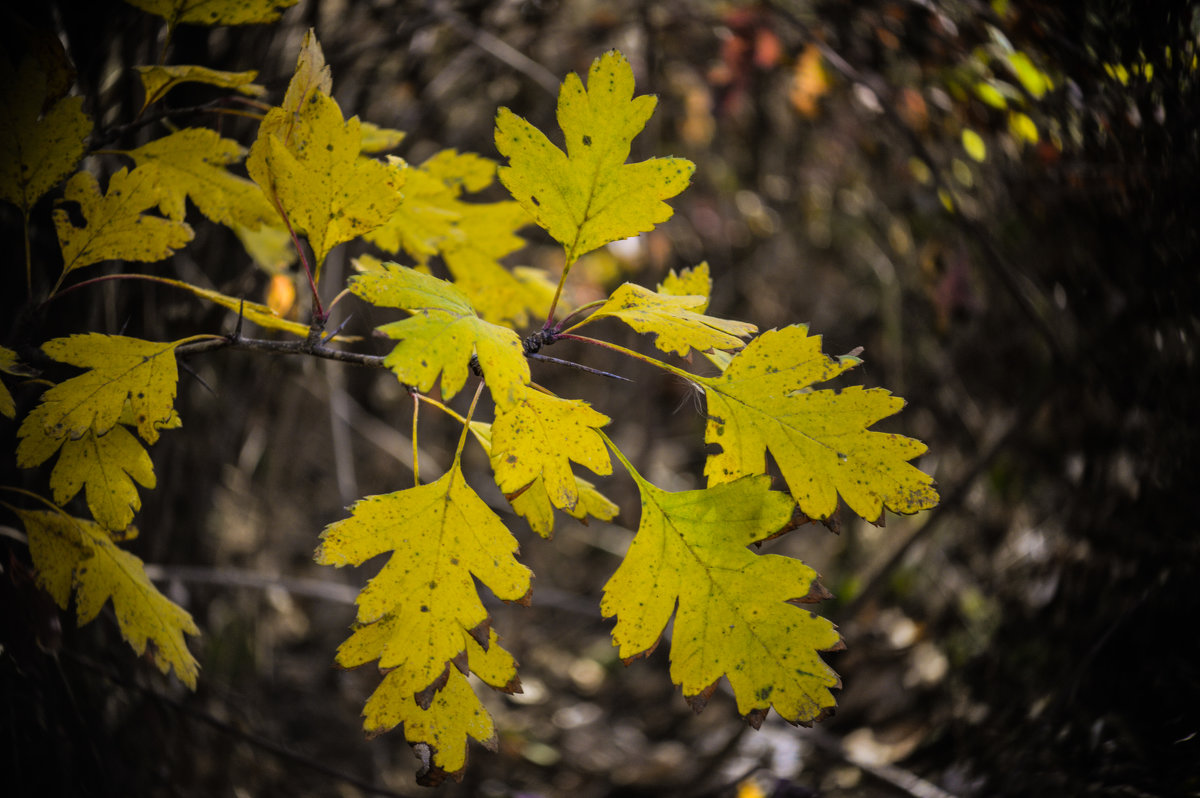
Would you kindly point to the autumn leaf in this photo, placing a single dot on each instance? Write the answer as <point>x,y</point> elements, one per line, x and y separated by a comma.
<point>190,164</point>
<point>75,553</point>
<point>413,614</point>
<point>442,334</point>
<point>676,322</point>
<point>214,12</point>
<point>589,196</point>
<point>533,502</point>
<point>106,465</point>
<point>378,139</point>
<point>765,400</point>
<point>39,145</point>
<point>10,363</point>
<point>158,80</point>
<point>695,281</point>
<point>119,370</point>
<point>735,615</point>
<point>453,714</point>
<point>115,225</point>
<point>540,435</point>
<point>307,159</point>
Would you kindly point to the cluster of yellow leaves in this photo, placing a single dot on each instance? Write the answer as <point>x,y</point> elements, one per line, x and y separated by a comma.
<point>88,421</point>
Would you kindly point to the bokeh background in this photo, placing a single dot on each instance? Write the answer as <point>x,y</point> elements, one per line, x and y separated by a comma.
<point>997,201</point>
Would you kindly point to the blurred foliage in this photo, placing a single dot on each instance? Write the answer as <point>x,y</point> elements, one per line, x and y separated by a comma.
<point>998,201</point>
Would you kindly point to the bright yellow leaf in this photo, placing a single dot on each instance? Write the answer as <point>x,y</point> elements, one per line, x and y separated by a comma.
<point>442,334</point>
<point>190,164</point>
<point>734,616</point>
<point>695,282</point>
<point>214,12</point>
<point>262,315</point>
<point>990,95</point>
<point>539,435</point>
<point>441,537</point>
<point>115,225</point>
<point>589,196</point>
<point>820,439</point>
<point>39,146</point>
<point>973,143</point>
<point>1022,127</point>
<point>377,139</point>
<point>106,465</point>
<point>158,80</point>
<point>675,321</point>
<point>533,503</point>
<point>1033,79</point>
<point>72,552</point>
<point>119,370</point>
<point>809,81</point>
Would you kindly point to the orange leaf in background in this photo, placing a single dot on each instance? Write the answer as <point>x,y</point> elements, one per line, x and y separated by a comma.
<point>809,82</point>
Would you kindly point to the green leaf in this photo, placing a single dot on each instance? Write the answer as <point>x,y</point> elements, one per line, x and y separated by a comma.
<point>676,322</point>
<point>116,227</point>
<point>589,196</point>
<point>735,615</point>
<point>820,439</point>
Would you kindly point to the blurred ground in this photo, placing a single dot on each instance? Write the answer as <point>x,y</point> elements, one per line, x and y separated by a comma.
<point>1035,635</point>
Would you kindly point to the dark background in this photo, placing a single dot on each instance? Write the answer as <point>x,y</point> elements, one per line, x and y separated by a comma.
<point>1034,635</point>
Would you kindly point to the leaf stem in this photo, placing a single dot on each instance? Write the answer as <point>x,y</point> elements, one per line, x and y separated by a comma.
<point>416,397</point>
<point>462,439</point>
<point>633,472</point>
<point>577,311</point>
<point>562,279</point>
<point>28,258</point>
<point>318,311</point>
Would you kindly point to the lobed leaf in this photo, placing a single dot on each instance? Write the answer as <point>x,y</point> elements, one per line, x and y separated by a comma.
<point>539,436</point>
<point>441,537</point>
<point>107,466</point>
<point>734,616</point>
<point>190,164</point>
<point>120,370</point>
<point>765,401</point>
<point>676,322</point>
<point>72,552</point>
<point>442,334</point>
<point>10,363</point>
<point>588,196</point>
<point>39,145</point>
<point>115,226</point>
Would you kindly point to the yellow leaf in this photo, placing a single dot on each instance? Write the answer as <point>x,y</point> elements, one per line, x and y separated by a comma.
<point>442,334</point>
<point>674,321</point>
<point>990,95</point>
<point>119,370</point>
<point>533,503</point>
<point>214,12</point>
<point>441,537</point>
<point>820,439</point>
<point>540,435</point>
<point>973,143</point>
<point>589,196</point>
<point>39,146</point>
<point>10,363</point>
<point>1033,79</point>
<point>694,282</point>
<point>270,247</point>
<point>99,571</point>
<point>190,163</point>
<point>262,315</point>
<point>734,616</point>
<point>321,182</point>
<point>107,465</point>
<point>454,715</point>
<point>158,80</point>
<point>115,226</point>
<point>1022,127</point>
<point>379,139</point>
